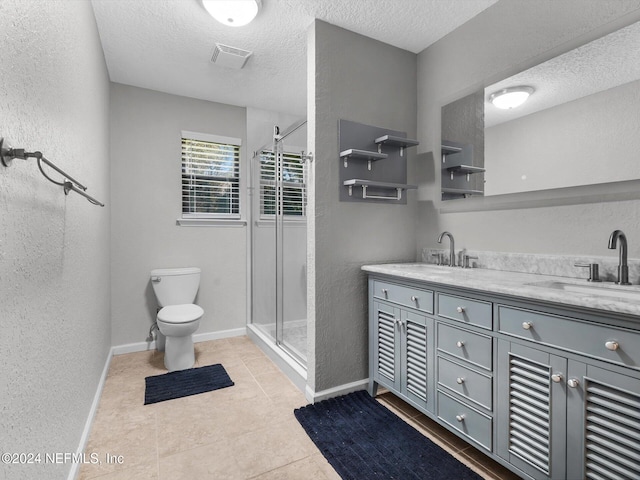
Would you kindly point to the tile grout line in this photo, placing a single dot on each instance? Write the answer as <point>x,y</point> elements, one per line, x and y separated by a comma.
<point>255,379</point>
<point>155,414</point>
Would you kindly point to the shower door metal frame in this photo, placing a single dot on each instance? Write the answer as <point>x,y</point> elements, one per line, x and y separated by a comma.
<point>278,150</point>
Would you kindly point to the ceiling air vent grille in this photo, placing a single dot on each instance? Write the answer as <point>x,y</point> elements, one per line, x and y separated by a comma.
<point>230,57</point>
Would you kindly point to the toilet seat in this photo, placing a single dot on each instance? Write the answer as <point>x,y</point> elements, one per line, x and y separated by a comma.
<point>177,314</point>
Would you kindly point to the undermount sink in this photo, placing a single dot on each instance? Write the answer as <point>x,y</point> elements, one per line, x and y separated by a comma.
<point>602,290</point>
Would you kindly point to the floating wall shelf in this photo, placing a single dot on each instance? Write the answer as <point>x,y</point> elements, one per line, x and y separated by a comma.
<point>398,187</point>
<point>464,170</point>
<point>448,150</point>
<point>386,182</point>
<point>356,154</point>
<point>461,191</point>
<point>396,142</point>
<point>461,175</point>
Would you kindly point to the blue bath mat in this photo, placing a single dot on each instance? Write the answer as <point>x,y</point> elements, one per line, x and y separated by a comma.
<point>183,383</point>
<point>362,439</point>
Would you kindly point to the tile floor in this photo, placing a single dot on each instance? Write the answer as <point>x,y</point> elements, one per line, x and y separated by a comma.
<point>247,431</point>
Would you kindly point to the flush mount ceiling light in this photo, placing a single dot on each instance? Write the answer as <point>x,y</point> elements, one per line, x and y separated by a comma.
<point>234,13</point>
<point>510,97</point>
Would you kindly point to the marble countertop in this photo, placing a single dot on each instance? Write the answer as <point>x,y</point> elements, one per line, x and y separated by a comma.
<point>605,296</point>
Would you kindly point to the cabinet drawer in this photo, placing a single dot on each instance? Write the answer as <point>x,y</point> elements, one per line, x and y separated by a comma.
<point>466,310</point>
<point>469,346</point>
<point>466,382</point>
<point>465,419</point>
<point>407,296</point>
<point>608,343</point>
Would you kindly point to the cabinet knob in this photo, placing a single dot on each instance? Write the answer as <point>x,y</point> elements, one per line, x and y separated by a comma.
<point>385,292</point>
<point>459,344</point>
<point>460,417</point>
<point>527,325</point>
<point>460,380</point>
<point>414,298</point>
<point>460,309</point>
<point>612,345</point>
<point>573,382</point>
<point>556,377</point>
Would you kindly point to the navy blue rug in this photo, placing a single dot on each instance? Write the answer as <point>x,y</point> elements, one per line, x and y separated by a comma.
<point>362,439</point>
<point>183,383</point>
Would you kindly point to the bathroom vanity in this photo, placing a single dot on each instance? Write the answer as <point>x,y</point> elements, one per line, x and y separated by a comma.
<point>540,373</point>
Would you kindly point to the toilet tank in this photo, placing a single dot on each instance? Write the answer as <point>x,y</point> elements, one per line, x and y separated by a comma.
<point>175,286</point>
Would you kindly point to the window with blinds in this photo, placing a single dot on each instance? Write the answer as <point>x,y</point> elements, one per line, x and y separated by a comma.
<point>210,176</point>
<point>294,189</point>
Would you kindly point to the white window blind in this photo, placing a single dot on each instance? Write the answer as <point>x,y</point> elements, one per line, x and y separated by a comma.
<point>210,176</point>
<point>294,189</point>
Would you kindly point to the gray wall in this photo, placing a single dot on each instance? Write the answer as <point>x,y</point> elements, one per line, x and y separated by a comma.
<point>145,175</point>
<point>54,249</point>
<point>508,37</point>
<point>359,79</point>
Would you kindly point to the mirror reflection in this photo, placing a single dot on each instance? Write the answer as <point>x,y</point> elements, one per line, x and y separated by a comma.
<point>580,125</point>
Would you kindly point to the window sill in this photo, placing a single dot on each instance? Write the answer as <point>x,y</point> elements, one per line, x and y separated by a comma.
<point>210,222</point>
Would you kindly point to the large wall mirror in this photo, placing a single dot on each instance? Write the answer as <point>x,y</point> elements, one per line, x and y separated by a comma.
<point>579,129</point>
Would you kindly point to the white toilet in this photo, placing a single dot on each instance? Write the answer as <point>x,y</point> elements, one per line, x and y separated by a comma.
<point>179,317</point>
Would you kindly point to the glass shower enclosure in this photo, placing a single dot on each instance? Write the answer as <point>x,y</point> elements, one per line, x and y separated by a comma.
<point>279,241</point>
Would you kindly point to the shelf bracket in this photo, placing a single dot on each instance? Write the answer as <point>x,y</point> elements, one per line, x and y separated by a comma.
<point>346,162</point>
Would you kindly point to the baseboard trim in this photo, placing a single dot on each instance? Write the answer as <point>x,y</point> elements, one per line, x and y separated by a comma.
<point>314,397</point>
<point>197,337</point>
<point>75,466</point>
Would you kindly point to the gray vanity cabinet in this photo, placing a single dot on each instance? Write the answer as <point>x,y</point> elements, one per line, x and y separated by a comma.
<point>563,418</point>
<point>561,415</point>
<point>401,340</point>
<point>531,410</point>
<point>603,419</point>
<point>551,392</point>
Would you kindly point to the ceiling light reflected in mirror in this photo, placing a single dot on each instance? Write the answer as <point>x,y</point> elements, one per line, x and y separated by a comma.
<point>510,97</point>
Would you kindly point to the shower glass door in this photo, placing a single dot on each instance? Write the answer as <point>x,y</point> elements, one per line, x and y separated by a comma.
<point>279,241</point>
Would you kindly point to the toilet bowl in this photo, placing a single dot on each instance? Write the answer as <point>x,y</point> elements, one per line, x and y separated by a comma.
<point>178,318</point>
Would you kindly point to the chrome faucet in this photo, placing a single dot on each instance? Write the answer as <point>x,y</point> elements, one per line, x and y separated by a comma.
<point>623,268</point>
<point>452,248</point>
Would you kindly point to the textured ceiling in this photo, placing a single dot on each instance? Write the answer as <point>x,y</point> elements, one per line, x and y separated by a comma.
<point>166,45</point>
<point>605,63</point>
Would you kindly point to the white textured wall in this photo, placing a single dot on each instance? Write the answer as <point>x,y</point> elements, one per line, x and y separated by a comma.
<point>54,249</point>
<point>145,175</point>
<point>359,79</point>
<point>508,37</point>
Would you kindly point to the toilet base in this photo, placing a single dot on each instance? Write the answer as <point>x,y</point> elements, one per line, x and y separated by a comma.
<point>179,353</point>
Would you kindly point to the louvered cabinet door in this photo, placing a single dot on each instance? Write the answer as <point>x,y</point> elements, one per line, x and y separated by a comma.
<point>603,424</point>
<point>386,345</point>
<point>531,410</point>
<point>417,369</point>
